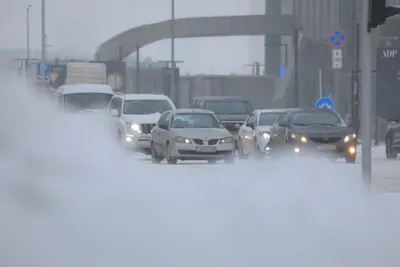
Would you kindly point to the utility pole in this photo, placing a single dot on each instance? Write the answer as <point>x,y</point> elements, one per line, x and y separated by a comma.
<point>173,89</point>
<point>28,49</point>
<point>43,66</point>
<point>366,94</point>
<point>138,69</point>
<point>296,68</point>
<point>355,117</point>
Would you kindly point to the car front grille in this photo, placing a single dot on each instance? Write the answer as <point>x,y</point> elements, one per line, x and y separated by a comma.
<point>212,142</point>
<point>233,127</point>
<point>198,141</point>
<point>147,127</point>
<point>201,142</point>
<point>325,140</point>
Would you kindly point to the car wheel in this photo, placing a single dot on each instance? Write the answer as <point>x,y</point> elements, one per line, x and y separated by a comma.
<point>390,153</point>
<point>240,150</point>
<point>230,159</point>
<point>350,159</point>
<point>154,157</point>
<point>170,160</point>
<point>257,153</point>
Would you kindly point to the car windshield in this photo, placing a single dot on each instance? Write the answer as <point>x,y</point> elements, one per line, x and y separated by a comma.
<point>81,101</point>
<point>195,120</point>
<point>229,107</point>
<point>268,118</point>
<point>316,117</point>
<point>146,106</point>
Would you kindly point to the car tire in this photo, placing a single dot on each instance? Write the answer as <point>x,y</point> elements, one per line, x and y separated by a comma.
<point>241,155</point>
<point>230,159</point>
<point>170,160</point>
<point>257,153</point>
<point>350,159</point>
<point>390,153</point>
<point>154,157</point>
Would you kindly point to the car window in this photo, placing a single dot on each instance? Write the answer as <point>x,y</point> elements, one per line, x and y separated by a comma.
<point>146,106</point>
<point>284,118</point>
<point>82,101</point>
<point>229,107</point>
<point>308,117</point>
<point>195,120</point>
<point>115,103</point>
<point>250,118</point>
<point>162,119</point>
<point>268,118</point>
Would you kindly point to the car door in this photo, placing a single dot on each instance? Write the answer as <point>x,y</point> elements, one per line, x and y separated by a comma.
<point>247,133</point>
<point>279,130</point>
<point>158,133</point>
<point>114,110</point>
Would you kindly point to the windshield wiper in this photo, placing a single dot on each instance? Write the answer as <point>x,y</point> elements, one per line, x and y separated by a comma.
<point>301,124</point>
<point>321,123</point>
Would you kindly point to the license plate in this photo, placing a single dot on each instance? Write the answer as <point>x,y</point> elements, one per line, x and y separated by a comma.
<point>206,149</point>
<point>326,147</point>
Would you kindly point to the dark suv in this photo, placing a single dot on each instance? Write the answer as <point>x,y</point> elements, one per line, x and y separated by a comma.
<point>232,111</point>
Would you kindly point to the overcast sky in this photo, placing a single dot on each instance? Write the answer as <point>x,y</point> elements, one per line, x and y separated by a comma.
<point>81,25</point>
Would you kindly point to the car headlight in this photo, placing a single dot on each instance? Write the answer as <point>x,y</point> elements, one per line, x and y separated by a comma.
<point>301,138</point>
<point>135,127</point>
<point>350,137</point>
<point>183,140</point>
<point>265,135</point>
<point>227,140</point>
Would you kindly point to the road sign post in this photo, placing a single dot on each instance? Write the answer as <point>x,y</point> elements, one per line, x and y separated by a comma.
<point>329,93</point>
<point>325,102</point>
<point>366,96</point>
<point>337,39</point>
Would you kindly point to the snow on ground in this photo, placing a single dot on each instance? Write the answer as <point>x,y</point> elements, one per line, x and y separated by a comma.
<point>69,197</point>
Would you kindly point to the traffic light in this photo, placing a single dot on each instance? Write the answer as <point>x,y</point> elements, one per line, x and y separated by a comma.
<point>379,12</point>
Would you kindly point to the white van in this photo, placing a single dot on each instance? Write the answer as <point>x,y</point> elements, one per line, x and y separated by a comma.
<point>83,97</point>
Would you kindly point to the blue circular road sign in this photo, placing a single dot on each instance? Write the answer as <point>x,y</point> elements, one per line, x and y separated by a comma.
<point>325,102</point>
<point>337,38</point>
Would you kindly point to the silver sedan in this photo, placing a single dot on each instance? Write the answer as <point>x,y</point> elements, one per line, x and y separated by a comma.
<point>254,134</point>
<point>191,134</point>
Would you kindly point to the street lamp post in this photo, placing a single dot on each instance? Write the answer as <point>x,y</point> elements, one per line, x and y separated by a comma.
<point>173,92</point>
<point>43,40</point>
<point>28,49</point>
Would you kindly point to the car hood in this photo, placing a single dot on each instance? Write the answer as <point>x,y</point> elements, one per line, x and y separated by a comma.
<point>322,130</point>
<point>145,118</point>
<point>208,133</point>
<point>232,117</point>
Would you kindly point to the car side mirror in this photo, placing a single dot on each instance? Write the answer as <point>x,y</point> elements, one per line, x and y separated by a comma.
<point>163,126</point>
<point>250,125</point>
<point>114,112</point>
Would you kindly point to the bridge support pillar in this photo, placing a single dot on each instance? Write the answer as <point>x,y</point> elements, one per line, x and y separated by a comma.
<point>272,43</point>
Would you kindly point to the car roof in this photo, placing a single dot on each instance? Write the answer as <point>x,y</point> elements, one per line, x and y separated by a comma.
<point>310,109</point>
<point>271,110</point>
<point>144,97</point>
<point>219,98</point>
<point>187,110</point>
<point>85,88</point>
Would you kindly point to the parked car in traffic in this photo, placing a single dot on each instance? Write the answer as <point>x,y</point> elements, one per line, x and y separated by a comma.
<point>191,134</point>
<point>309,131</point>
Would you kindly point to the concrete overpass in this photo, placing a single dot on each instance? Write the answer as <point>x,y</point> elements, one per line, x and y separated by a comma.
<point>125,43</point>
